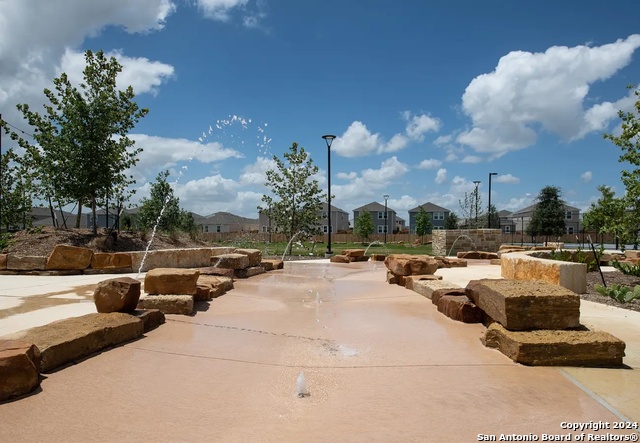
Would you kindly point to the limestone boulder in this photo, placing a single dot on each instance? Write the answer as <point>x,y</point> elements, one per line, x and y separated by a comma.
<point>439,293</point>
<point>251,271</point>
<point>25,262</point>
<point>112,260</point>
<point>271,264</point>
<point>254,255</point>
<point>3,262</point>
<point>209,287</point>
<point>168,304</point>
<point>69,257</point>
<point>19,368</point>
<point>212,270</point>
<point>171,281</point>
<point>339,259</point>
<point>409,280</point>
<point>71,339</point>
<point>524,305</point>
<point>392,278</point>
<point>378,257</point>
<point>117,295</point>
<point>353,252</point>
<point>405,264</point>
<point>230,261</point>
<point>477,255</point>
<point>460,308</point>
<point>151,318</point>
<point>426,288</point>
<point>557,348</point>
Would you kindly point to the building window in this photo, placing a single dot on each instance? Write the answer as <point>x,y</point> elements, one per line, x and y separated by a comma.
<point>382,229</point>
<point>438,215</point>
<point>507,229</point>
<point>380,215</point>
<point>218,228</point>
<point>569,229</point>
<point>206,228</point>
<point>324,214</point>
<point>568,215</point>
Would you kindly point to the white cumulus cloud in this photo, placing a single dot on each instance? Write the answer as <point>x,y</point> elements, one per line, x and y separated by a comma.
<point>441,176</point>
<point>547,89</point>
<point>506,178</point>
<point>586,176</point>
<point>418,125</point>
<point>430,163</point>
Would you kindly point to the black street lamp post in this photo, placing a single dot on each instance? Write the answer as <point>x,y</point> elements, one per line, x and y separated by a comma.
<point>476,182</point>
<point>386,197</point>
<point>489,212</point>
<point>329,139</point>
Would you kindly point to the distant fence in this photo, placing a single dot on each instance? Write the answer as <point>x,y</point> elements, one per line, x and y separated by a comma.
<point>263,237</point>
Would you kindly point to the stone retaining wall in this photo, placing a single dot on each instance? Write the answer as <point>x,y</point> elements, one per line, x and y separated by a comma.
<point>488,240</point>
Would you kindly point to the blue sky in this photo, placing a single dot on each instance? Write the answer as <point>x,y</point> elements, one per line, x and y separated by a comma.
<point>425,97</point>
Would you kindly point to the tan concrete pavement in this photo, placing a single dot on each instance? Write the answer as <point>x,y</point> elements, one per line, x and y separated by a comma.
<point>381,365</point>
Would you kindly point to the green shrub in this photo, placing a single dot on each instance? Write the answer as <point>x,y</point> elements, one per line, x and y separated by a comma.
<point>626,268</point>
<point>577,256</point>
<point>622,294</point>
<point>5,240</point>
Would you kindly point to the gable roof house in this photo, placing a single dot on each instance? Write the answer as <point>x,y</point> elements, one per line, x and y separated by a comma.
<point>437,213</point>
<point>377,212</point>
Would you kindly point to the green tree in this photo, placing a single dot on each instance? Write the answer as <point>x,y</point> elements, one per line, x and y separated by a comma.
<point>548,215</point>
<point>608,215</point>
<point>363,226</point>
<point>161,208</point>
<point>494,216</point>
<point>15,201</point>
<point>83,150</point>
<point>424,225</point>
<point>451,221</point>
<point>296,197</point>
<point>471,207</point>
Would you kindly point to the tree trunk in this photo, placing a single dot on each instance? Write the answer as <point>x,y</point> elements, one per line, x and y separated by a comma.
<point>64,220</point>
<point>79,214</point>
<point>94,229</point>
<point>53,214</point>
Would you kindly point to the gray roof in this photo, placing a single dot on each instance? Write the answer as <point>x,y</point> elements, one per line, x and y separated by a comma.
<point>429,207</point>
<point>373,206</point>
<point>226,218</point>
<point>531,208</point>
<point>333,208</point>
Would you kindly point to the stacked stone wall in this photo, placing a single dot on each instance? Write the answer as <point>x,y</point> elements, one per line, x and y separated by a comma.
<point>452,241</point>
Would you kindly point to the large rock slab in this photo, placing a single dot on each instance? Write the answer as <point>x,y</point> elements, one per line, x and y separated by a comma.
<point>168,304</point>
<point>151,318</point>
<point>439,293</point>
<point>353,252</point>
<point>405,264</point>
<point>477,255</point>
<point>426,288</point>
<point>522,266</point>
<point>523,305</point>
<point>117,295</point>
<point>557,348</point>
<point>212,270</point>
<point>3,262</point>
<point>69,257</point>
<point>209,287</point>
<point>251,271</point>
<point>25,262</point>
<point>409,280</point>
<point>230,261</point>
<point>254,255</point>
<point>71,339</point>
<point>171,281</point>
<point>460,308</point>
<point>339,259</point>
<point>111,260</point>
<point>175,258</point>
<point>19,368</point>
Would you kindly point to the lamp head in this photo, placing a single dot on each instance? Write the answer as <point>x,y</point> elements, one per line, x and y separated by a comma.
<point>329,139</point>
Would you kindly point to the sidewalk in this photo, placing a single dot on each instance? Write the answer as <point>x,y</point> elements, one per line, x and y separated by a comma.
<point>380,362</point>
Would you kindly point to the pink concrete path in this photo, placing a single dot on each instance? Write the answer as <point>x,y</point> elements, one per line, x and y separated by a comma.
<point>382,365</point>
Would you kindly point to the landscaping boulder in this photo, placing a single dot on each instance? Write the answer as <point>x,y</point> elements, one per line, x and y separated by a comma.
<point>251,271</point>
<point>230,261</point>
<point>271,264</point>
<point>353,253</point>
<point>69,257</point>
<point>151,318</point>
<point>212,270</point>
<point>25,262</point>
<point>405,264</point>
<point>426,288</point>
<point>19,368</point>
<point>254,256</point>
<point>209,287</point>
<point>477,255</point>
<point>168,304</point>
<point>460,308</point>
<point>171,281</point>
<point>409,280</point>
<point>117,295</point>
<point>64,341</point>
<point>439,293</point>
<point>522,305</point>
<point>557,348</point>
<point>339,259</point>
<point>111,260</point>
<point>3,262</point>
<point>378,257</point>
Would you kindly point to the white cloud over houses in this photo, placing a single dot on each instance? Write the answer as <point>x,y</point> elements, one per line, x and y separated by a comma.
<point>506,178</point>
<point>441,176</point>
<point>369,183</point>
<point>546,90</point>
<point>586,176</point>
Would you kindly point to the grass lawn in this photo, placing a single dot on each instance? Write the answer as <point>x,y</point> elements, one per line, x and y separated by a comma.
<point>319,249</point>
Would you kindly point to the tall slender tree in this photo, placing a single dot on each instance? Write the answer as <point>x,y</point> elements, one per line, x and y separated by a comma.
<point>424,225</point>
<point>82,151</point>
<point>296,197</point>
<point>548,215</point>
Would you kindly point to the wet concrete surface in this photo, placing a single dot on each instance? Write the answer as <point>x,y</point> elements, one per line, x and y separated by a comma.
<point>380,362</point>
